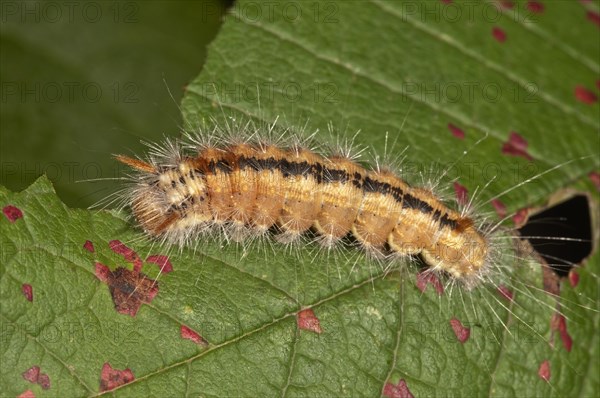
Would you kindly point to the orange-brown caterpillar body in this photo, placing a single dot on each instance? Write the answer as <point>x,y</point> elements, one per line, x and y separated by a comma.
<point>251,187</point>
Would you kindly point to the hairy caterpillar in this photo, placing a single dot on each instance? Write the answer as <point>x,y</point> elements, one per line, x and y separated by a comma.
<point>249,186</point>
<point>246,185</point>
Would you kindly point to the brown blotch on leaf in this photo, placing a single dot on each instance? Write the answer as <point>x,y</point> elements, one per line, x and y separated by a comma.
<point>550,279</point>
<point>111,378</point>
<point>129,289</point>
<point>307,320</point>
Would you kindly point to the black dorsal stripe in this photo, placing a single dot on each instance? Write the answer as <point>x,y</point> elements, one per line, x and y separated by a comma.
<point>325,175</point>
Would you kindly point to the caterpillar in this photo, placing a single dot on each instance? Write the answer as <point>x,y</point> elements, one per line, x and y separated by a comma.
<point>249,186</point>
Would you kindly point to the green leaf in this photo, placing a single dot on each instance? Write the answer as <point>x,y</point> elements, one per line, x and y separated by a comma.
<point>356,65</point>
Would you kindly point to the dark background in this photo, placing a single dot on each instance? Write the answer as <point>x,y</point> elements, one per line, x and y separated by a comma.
<point>81,81</point>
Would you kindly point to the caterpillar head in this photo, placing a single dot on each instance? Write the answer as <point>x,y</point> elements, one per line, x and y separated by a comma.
<point>165,201</point>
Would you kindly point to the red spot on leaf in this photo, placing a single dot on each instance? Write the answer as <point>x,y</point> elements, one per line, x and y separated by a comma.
<point>462,333</point>
<point>499,207</point>
<point>44,381</point>
<point>544,370</point>
<point>426,277</point>
<point>163,262</point>
<point>102,272</point>
<point>584,95</point>
<point>559,323</point>
<point>189,334</point>
<point>111,378</point>
<point>12,213</point>
<point>399,390</point>
<point>128,254</point>
<point>129,289</point>
<point>499,34</point>
<point>33,375</point>
<point>307,320</point>
<point>89,246</point>
<point>520,217</point>
<point>573,278</point>
<point>595,178</point>
<point>505,292</point>
<point>27,291</point>
<point>535,6</point>
<point>461,194</point>
<point>516,145</point>
<point>594,17</point>
<point>507,4</point>
<point>446,1</point>
<point>456,131</point>
<point>27,394</point>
